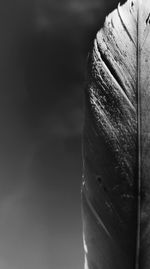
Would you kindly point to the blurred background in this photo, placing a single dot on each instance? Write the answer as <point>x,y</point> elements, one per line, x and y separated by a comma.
<point>43,50</point>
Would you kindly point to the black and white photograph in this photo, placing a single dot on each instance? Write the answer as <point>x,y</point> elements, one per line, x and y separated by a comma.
<point>75,134</point>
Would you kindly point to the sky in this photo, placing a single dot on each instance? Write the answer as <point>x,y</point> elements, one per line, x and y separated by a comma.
<point>43,51</point>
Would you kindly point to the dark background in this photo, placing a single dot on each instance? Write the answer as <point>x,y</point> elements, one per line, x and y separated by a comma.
<point>43,50</point>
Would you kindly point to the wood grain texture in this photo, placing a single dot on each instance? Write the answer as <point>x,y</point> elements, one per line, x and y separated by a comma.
<point>116,151</point>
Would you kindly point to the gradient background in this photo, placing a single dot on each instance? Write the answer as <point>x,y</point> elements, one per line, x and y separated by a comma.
<point>43,49</point>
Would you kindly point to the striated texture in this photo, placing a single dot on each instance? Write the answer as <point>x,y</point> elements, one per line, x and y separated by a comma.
<point>116,151</point>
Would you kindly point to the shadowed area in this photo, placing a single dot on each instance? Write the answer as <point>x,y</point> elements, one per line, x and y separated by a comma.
<point>43,52</point>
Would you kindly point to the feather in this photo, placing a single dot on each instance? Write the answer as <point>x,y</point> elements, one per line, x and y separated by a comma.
<point>116,147</point>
